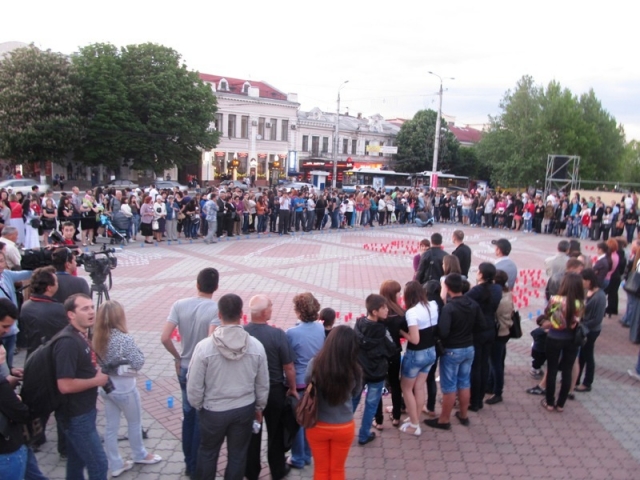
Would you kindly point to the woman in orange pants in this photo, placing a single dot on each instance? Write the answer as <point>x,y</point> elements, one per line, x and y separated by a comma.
<point>337,375</point>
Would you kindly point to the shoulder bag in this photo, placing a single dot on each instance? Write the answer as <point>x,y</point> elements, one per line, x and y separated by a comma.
<point>515,331</point>
<point>632,283</point>
<point>581,332</point>
<point>307,408</point>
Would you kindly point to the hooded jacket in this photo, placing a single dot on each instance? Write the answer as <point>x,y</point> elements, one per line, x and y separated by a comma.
<point>228,370</point>
<point>457,321</point>
<point>376,346</point>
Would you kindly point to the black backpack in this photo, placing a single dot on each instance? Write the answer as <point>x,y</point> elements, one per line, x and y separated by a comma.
<point>40,386</point>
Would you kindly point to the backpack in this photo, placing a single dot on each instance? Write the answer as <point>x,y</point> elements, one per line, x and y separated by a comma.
<point>40,387</point>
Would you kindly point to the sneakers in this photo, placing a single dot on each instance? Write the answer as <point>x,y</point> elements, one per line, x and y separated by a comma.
<point>633,374</point>
<point>536,390</point>
<point>535,372</point>
<point>128,465</point>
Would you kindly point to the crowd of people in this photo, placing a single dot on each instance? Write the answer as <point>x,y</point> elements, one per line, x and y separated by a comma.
<point>234,378</point>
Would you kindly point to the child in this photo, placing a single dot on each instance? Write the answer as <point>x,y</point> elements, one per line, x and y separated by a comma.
<point>528,221</point>
<point>376,346</point>
<point>425,245</point>
<point>538,351</point>
<point>585,220</point>
<point>327,316</point>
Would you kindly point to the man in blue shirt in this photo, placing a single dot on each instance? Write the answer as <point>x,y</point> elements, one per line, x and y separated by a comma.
<point>299,204</point>
<point>8,278</point>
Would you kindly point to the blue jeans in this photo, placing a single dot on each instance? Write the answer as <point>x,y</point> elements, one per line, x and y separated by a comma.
<point>245,222</point>
<point>300,449</point>
<point>114,405</point>
<point>14,465</point>
<point>374,394</point>
<point>33,470</point>
<point>455,369</point>
<point>262,223</point>
<point>84,448</point>
<point>9,342</point>
<point>135,225</point>
<point>190,427</point>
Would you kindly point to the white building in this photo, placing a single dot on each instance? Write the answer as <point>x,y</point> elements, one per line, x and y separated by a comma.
<point>362,142</point>
<point>257,125</point>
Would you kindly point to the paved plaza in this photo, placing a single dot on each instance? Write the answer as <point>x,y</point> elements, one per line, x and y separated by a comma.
<point>597,436</point>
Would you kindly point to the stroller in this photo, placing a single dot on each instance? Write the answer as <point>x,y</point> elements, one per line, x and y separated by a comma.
<point>117,229</point>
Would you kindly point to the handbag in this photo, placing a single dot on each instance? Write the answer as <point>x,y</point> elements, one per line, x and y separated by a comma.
<point>515,331</point>
<point>632,283</point>
<point>307,408</point>
<point>181,216</point>
<point>581,332</point>
<point>35,223</point>
<point>155,225</point>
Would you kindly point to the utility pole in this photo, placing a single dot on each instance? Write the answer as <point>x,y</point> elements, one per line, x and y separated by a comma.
<point>436,147</point>
<point>334,177</point>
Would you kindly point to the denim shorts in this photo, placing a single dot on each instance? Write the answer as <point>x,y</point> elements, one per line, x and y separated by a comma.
<point>455,369</point>
<point>418,361</point>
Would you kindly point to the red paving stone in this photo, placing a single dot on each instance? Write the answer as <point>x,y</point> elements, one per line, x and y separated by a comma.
<point>514,439</point>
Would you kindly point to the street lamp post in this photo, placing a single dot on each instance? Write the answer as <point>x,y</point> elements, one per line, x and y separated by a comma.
<point>337,141</point>
<point>436,147</point>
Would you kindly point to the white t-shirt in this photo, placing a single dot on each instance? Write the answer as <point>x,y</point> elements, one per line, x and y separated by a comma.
<point>422,317</point>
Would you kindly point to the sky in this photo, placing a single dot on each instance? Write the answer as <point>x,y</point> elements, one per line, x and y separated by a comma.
<point>385,50</point>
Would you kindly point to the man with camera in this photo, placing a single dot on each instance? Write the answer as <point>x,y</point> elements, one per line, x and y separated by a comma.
<point>78,379</point>
<point>64,261</point>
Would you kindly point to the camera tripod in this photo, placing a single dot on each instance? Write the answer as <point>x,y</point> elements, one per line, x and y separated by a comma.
<point>101,290</point>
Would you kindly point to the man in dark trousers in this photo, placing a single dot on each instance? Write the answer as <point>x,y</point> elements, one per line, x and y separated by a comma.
<point>431,267</point>
<point>279,359</point>
<point>462,251</point>
<point>78,379</point>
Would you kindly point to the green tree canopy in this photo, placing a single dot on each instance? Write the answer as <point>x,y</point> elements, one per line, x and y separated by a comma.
<point>536,122</point>
<point>39,101</point>
<point>416,144</point>
<point>142,104</point>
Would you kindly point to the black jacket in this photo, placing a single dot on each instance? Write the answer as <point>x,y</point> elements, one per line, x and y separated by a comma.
<point>42,317</point>
<point>430,267</point>
<point>17,414</point>
<point>376,347</point>
<point>457,321</point>
<point>463,252</point>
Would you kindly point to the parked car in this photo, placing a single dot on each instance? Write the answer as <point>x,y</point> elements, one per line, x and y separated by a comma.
<point>233,184</point>
<point>23,185</point>
<point>121,184</point>
<point>296,185</point>
<point>166,184</point>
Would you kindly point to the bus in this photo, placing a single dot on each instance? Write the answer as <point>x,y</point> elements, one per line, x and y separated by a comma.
<point>389,180</point>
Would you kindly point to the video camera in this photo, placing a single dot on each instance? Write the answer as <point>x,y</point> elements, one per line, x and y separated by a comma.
<point>121,367</point>
<point>97,266</point>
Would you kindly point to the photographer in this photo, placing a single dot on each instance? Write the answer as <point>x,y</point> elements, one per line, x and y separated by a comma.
<point>121,359</point>
<point>64,261</point>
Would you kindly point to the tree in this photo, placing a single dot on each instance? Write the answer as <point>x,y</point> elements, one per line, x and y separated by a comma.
<point>142,104</point>
<point>416,143</point>
<point>111,125</point>
<point>39,100</point>
<point>536,122</point>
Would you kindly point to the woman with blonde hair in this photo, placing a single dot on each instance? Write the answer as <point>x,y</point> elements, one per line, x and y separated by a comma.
<point>113,344</point>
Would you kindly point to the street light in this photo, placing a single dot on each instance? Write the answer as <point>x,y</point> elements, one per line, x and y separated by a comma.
<point>337,141</point>
<point>436,148</point>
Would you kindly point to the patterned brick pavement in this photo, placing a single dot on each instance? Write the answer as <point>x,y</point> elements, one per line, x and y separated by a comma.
<point>598,435</point>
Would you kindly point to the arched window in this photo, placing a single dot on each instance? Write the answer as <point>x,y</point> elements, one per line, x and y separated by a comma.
<point>223,85</point>
<point>245,87</point>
